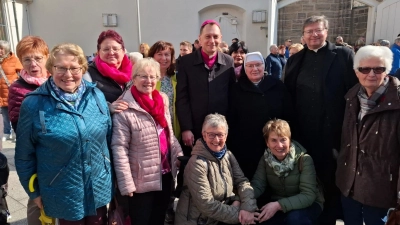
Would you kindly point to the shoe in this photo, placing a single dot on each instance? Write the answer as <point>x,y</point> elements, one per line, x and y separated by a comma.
<point>10,136</point>
<point>170,217</point>
<point>4,138</point>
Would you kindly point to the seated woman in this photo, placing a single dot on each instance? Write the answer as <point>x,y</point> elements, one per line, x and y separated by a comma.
<point>368,163</point>
<point>144,147</point>
<point>210,177</point>
<point>289,174</point>
<point>64,129</point>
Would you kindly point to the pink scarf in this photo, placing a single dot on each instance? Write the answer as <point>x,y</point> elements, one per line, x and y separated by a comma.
<point>209,61</point>
<point>33,80</point>
<point>120,75</point>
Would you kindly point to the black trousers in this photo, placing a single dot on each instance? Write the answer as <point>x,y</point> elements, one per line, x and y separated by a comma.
<point>149,208</point>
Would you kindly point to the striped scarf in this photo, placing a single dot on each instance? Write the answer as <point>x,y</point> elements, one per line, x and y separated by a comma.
<point>368,103</point>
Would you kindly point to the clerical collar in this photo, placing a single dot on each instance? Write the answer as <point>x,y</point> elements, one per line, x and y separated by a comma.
<point>316,50</point>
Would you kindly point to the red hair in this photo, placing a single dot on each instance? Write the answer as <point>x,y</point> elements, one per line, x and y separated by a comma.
<point>30,44</point>
<point>110,34</point>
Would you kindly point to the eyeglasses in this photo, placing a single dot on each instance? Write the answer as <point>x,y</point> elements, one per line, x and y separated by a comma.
<point>63,70</point>
<point>258,65</point>
<point>367,70</point>
<point>29,61</point>
<point>146,77</point>
<point>213,135</point>
<point>108,50</point>
<point>311,32</point>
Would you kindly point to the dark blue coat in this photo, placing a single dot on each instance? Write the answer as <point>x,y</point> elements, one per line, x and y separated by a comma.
<point>273,66</point>
<point>68,149</point>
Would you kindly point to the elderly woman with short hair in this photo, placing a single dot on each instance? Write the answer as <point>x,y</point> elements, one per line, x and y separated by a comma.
<point>211,176</point>
<point>134,57</point>
<point>144,147</point>
<point>295,48</point>
<point>287,173</point>
<point>64,131</point>
<point>10,67</point>
<point>369,160</point>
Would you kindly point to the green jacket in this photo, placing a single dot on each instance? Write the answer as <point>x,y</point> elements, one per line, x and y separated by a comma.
<point>297,190</point>
<point>175,123</point>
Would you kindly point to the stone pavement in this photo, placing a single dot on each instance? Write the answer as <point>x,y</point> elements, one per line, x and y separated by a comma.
<point>17,199</point>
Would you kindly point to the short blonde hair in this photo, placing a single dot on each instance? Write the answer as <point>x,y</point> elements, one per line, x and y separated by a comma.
<point>297,46</point>
<point>146,62</point>
<point>278,126</point>
<point>69,49</point>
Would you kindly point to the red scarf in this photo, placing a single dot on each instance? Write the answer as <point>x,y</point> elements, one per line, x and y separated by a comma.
<point>121,75</point>
<point>155,106</point>
<point>209,61</point>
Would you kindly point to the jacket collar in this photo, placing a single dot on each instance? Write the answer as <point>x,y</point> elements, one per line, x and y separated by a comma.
<point>390,102</point>
<point>199,59</point>
<point>200,150</point>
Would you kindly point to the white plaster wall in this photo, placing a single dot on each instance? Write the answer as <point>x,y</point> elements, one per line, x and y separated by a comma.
<point>80,21</point>
<point>10,21</point>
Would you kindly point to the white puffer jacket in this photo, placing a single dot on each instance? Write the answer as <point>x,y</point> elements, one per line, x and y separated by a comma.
<point>136,149</point>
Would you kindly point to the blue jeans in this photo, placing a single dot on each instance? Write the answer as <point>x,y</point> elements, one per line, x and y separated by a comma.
<point>355,213</point>
<point>6,121</point>
<point>306,216</point>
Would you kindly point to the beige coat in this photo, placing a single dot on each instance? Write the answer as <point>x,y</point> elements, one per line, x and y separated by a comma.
<point>136,149</point>
<point>208,185</point>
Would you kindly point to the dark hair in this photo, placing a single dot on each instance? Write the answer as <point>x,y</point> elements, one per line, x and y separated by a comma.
<point>237,40</point>
<point>110,34</point>
<point>281,47</point>
<point>235,47</point>
<point>161,46</point>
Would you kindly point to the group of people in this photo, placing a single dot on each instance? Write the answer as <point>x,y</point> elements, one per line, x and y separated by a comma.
<point>316,145</point>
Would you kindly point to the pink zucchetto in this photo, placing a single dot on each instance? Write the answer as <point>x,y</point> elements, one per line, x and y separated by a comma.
<point>210,21</point>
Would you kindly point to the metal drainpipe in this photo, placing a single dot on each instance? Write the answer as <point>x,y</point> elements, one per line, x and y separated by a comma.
<point>16,20</point>
<point>139,29</point>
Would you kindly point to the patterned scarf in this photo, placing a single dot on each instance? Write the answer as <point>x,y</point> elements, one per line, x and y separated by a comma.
<point>33,80</point>
<point>217,155</point>
<point>281,168</point>
<point>120,75</point>
<point>155,106</point>
<point>368,103</point>
<point>71,98</point>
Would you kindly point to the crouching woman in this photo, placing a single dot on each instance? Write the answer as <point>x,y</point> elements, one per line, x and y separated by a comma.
<point>289,174</point>
<point>210,177</point>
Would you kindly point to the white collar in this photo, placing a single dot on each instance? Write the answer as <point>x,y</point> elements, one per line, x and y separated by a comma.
<point>316,50</point>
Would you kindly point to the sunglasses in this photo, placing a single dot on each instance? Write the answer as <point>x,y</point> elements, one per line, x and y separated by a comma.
<point>367,70</point>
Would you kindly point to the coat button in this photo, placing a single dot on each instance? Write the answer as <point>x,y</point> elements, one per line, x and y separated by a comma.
<point>376,132</point>
<point>363,151</point>
<point>350,104</point>
<point>389,103</point>
<point>358,173</point>
<point>345,164</point>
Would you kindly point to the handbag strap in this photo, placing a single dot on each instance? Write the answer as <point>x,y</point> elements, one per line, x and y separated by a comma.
<point>4,76</point>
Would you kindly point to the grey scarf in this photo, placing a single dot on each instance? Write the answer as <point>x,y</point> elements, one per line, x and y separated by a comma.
<point>281,168</point>
<point>368,103</point>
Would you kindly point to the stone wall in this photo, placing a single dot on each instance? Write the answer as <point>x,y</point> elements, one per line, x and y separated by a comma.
<point>344,20</point>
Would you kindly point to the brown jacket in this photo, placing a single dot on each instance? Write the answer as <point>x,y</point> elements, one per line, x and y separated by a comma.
<point>135,148</point>
<point>369,160</point>
<point>210,183</point>
<point>11,66</point>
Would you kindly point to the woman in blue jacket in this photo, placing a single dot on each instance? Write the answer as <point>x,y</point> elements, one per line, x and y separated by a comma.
<point>64,136</point>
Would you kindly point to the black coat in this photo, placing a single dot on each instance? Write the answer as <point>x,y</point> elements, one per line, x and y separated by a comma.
<point>110,88</point>
<point>338,77</point>
<point>251,107</point>
<point>196,97</point>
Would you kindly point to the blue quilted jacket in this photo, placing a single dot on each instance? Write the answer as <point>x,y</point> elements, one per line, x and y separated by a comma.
<point>68,149</point>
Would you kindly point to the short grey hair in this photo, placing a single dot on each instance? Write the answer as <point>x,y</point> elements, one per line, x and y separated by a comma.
<point>397,40</point>
<point>384,43</point>
<point>135,56</point>
<point>316,19</point>
<point>146,62</point>
<point>5,45</point>
<point>377,52</point>
<point>272,47</point>
<point>215,120</point>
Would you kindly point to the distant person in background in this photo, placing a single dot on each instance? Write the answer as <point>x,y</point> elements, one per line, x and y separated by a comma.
<point>340,42</point>
<point>238,53</point>
<point>144,49</point>
<point>185,47</point>
<point>281,55</point>
<point>224,47</point>
<point>235,40</point>
<point>385,43</point>
<point>295,48</point>
<point>359,43</point>
<point>134,57</point>
<point>288,43</point>
<point>10,67</point>
<point>196,45</point>
<point>273,64</point>
<point>396,56</point>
